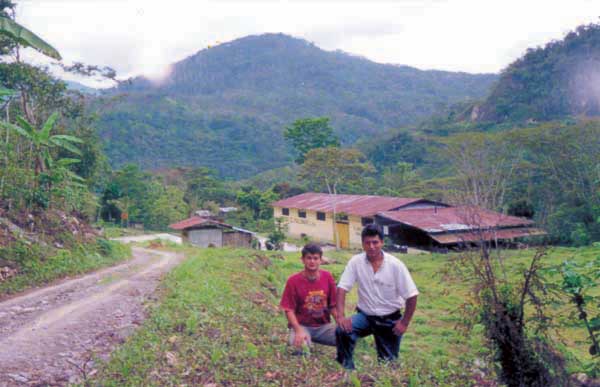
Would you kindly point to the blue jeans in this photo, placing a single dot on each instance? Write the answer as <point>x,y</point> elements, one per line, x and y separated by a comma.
<point>386,341</point>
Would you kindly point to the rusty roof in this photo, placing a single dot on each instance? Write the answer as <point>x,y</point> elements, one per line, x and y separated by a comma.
<point>501,234</point>
<point>440,220</point>
<point>360,205</point>
<point>195,221</point>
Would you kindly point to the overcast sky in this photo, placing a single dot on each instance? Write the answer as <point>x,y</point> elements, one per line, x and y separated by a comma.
<point>143,37</point>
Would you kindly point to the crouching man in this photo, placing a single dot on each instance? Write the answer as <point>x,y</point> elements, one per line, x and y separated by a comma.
<point>309,300</point>
<point>384,287</point>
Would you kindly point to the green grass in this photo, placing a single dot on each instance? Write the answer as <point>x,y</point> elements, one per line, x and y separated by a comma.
<point>41,265</point>
<point>218,322</point>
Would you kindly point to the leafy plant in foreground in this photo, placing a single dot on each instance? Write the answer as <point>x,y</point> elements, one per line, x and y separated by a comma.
<point>579,283</point>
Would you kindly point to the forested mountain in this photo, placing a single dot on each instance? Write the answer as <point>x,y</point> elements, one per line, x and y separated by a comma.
<point>227,106</point>
<point>551,82</point>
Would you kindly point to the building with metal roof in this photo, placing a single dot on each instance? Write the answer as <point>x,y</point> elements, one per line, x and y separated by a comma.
<point>414,222</point>
<point>453,227</point>
<point>208,232</point>
<point>311,214</point>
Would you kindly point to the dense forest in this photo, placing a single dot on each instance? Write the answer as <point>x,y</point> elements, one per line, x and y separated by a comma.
<point>226,107</point>
<point>550,82</point>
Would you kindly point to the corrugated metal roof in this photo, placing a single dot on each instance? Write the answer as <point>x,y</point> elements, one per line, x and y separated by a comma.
<point>488,235</point>
<point>197,221</point>
<point>454,219</point>
<point>360,205</point>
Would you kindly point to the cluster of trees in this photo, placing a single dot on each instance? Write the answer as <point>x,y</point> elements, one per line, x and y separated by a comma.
<point>225,107</point>
<point>549,82</point>
<point>49,153</point>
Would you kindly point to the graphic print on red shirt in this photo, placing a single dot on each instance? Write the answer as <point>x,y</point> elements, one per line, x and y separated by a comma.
<point>311,301</point>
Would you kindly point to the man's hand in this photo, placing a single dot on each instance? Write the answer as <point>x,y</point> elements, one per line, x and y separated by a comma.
<point>345,323</point>
<point>300,338</point>
<point>399,328</point>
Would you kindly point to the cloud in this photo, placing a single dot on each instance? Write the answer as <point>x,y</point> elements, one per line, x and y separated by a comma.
<point>135,36</point>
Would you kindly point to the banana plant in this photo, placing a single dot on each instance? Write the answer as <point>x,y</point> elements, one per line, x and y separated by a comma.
<point>42,141</point>
<point>26,38</point>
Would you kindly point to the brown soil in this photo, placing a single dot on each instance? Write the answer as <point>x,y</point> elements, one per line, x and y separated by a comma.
<point>54,335</point>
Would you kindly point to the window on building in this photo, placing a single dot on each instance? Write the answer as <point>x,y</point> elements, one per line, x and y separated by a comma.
<point>366,221</point>
<point>301,214</point>
<point>341,217</point>
<point>321,216</point>
<point>285,211</point>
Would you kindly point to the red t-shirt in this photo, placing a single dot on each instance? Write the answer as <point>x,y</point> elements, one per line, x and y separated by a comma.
<point>310,301</point>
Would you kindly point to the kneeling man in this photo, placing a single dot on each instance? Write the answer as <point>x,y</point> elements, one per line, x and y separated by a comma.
<point>384,287</point>
<point>308,301</point>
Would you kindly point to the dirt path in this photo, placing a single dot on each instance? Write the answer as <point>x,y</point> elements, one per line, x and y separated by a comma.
<point>51,335</point>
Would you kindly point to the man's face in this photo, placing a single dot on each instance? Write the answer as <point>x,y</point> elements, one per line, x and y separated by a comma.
<point>311,261</point>
<point>372,246</point>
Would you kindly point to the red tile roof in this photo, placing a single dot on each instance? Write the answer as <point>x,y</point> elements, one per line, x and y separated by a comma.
<point>489,235</point>
<point>360,205</point>
<point>197,221</point>
<point>454,219</point>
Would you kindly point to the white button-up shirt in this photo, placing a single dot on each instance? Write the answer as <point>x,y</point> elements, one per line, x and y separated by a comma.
<point>379,293</point>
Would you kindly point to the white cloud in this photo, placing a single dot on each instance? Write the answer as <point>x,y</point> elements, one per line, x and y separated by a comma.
<point>146,36</point>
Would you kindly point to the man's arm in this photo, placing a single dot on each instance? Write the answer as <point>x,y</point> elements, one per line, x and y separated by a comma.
<point>334,314</point>
<point>300,335</point>
<point>344,322</point>
<point>409,310</point>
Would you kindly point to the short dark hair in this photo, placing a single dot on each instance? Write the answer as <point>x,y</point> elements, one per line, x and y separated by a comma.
<point>371,230</point>
<point>312,248</point>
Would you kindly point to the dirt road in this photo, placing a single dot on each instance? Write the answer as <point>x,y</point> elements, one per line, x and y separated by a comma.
<point>50,336</point>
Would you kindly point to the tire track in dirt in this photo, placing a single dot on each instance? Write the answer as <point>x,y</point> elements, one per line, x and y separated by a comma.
<point>51,336</point>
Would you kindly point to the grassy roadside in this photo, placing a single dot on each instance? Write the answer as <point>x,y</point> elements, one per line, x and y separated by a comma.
<point>218,324</point>
<point>40,265</point>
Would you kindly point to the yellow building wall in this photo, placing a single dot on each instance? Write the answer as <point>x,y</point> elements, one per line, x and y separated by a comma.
<point>318,230</point>
<point>355,230</point>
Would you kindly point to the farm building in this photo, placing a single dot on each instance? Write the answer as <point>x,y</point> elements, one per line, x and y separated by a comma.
<point>311,214</point>
<point>413,222</point>
<point>453,227</point>
<point>207,232</point>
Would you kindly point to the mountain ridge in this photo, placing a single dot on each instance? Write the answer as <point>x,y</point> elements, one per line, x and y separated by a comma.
<point>229,98</point>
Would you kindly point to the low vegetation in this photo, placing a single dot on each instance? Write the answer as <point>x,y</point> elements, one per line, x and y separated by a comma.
<point>217,323</point>
<point>37,265</point>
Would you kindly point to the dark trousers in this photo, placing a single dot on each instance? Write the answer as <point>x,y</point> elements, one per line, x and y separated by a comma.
<point>386,341</point>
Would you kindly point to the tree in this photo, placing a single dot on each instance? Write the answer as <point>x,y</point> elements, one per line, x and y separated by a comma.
<point>258,201</point>
<point>310,133</point>
<point>484,166</point>
<point>398,176</point>
<point>42,140</point>
<point>168,207</point>
<point>332,167</point>
<point>202,185</point>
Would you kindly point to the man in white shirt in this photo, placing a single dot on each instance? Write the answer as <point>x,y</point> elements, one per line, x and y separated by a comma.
<point>384,287</point>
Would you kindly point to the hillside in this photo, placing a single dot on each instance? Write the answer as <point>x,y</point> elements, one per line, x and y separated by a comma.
<point>225,107</point>
<point>550,82</point>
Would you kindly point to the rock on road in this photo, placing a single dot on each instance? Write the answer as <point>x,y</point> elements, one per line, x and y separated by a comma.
<point>50,336</point>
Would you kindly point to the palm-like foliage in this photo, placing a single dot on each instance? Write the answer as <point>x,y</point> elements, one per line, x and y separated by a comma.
<point>26,38</point>
<point>42,140</point>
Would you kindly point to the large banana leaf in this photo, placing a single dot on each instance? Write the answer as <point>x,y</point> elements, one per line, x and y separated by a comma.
<point>67,137</point>
<point>63,143</point>
<point>26,38</point>
<point>45,132</point>
<point>16,128</point>
<point>4,92</point>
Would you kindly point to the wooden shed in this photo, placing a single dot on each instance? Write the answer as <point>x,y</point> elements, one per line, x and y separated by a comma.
<point>206,232</point>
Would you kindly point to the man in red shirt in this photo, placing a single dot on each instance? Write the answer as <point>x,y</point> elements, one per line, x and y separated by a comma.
<point>309,300</point>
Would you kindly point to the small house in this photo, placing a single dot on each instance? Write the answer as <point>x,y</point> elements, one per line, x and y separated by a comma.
<point>206,232</point>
